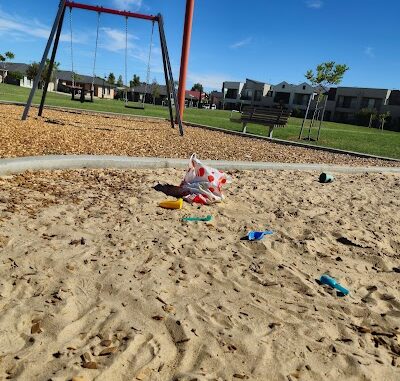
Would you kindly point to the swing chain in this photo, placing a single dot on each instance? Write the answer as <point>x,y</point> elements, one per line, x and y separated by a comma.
<point>72,48</point>
<point>126,60</point>
<point>149,62</point>
<point>95,50</point>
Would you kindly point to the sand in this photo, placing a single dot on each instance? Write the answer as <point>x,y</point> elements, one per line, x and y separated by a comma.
<point>98,282</point>
<point>62,132</point>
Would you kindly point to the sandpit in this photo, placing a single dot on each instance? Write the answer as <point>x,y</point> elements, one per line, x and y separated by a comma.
<point>62,132</point>
<point>97,281</point>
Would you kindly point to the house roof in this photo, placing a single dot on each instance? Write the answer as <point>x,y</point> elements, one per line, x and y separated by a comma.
<point>162,89</point>
<point>65,75</point>
<point>19,67</point>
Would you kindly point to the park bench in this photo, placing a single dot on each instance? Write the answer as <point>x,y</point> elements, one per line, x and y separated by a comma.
<point>271,117</point>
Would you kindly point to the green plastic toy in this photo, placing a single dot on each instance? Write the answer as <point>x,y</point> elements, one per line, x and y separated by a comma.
<point>205,219</point>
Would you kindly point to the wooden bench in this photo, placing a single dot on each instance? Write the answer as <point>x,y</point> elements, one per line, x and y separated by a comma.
<point>271,117</point>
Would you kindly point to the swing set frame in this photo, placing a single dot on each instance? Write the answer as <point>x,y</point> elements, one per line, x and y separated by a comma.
<point>55,37</point>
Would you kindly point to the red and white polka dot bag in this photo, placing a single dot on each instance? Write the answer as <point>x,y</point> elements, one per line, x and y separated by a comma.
<point>203,184</point>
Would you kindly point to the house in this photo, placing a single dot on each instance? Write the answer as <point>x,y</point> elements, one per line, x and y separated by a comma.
<point>137,93</point>
<point>237,94</point>
<point>231,92</point>
<point>102,89</point>
<point>216,98</point>
<point>21,70</point>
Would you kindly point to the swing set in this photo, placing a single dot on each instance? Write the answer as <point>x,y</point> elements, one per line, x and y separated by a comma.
<point>55,36</point>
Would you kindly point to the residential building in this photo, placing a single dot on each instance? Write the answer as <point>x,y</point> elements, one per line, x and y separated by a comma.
<point>237,94</point>
<point>102,89</point>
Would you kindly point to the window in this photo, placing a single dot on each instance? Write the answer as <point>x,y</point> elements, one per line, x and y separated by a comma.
<point>304,87</point>
<point>231,94</point>
<point>283,86</point>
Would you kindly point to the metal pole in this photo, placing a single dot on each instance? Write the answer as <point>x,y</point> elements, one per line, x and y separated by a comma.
<point>167,80</point>
<point>61,9</point>
<point>305,117</point>
<point>187,32</point>
<point>51,65</point>
<point>171,77</point>
<point>322,117</point>
<point>313,119</point>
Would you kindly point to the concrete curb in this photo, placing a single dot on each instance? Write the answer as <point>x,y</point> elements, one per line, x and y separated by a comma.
<point>35,163</point>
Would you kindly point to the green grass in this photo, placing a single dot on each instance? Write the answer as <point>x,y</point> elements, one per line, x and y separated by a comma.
<point>336,135</point>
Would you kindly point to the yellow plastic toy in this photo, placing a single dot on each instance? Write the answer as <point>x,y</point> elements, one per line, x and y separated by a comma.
<point>172,204</point>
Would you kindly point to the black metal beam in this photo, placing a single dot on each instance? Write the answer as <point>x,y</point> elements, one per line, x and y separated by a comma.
<point>61,9</point>
<point>51,64</point>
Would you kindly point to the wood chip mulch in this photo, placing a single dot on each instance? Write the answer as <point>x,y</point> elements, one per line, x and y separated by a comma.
<point>63,132</point>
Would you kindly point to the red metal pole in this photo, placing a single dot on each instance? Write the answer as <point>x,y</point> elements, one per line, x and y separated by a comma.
<point>187,33</point>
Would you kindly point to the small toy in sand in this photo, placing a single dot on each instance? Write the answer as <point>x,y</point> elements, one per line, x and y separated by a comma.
<point>172,204</point>
<point>256,236</point>
<point>326,279</point>
<point>325,178</point>
<point>205,219</point>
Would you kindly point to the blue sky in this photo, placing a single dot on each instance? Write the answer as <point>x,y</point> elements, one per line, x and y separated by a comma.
<point>266,40</point>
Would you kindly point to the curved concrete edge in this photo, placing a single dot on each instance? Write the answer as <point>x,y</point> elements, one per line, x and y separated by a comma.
<point>36,163</point>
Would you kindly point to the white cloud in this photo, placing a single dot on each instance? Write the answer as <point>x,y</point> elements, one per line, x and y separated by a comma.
<point>369,51</point>
<point>19,28</point>
<point>128,4</point>
<point>315,4</point>
<point>241,43</point>
<point>210,81</point>
<point>114,39</point>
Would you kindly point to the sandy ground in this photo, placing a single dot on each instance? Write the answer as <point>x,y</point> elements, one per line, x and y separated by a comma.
<point>97,281</point>
<point>61,132</point>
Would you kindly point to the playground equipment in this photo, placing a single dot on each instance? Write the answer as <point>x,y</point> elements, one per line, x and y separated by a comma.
<point>141,104</point>
<point>321,99</point>
<point>55,37</point>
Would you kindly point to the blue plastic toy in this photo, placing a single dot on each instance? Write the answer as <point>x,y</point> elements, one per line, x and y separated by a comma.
<point>256,236</point>
<point>326,279</point>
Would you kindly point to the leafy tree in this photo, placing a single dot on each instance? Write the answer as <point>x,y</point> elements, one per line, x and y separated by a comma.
<point>382,118</point>
<point>155,90</point>
<point>3,59</point>
<point>197,87</point>
<point>33,70</point>
<point>366,116</point>
<point>135,81</point>
<point>111,79</point>
<point>16,75</point>
<point>120,81</point>
<point>327,73</point>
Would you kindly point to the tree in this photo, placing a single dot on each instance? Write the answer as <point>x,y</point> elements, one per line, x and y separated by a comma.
<point>326,74</point>
<point>366,116</point>
<point>135,81</point>
<point>3,59</point>
<point>120,81</point>
<point>197,87</point>
<point>111,79</point>
<point>155,90</point>
<point>33,70</point>
<point>382,118</point>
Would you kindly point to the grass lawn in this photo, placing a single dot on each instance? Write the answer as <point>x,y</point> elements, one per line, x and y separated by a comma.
<point>336,135</point>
